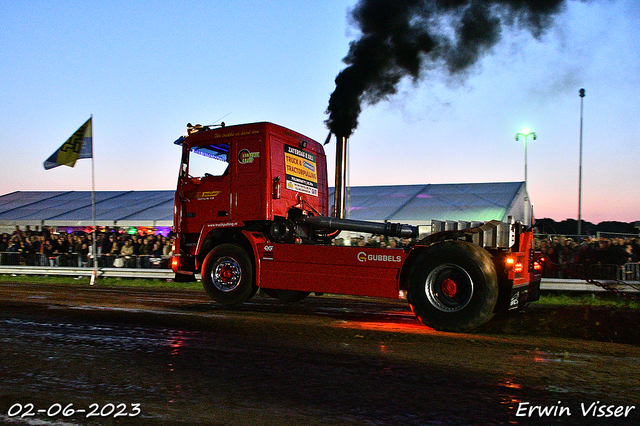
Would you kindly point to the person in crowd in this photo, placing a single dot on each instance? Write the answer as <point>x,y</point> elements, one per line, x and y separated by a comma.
<point>50,253</point>
<point>146,246</point>
<point>107,244</point>
<point>167,248</point>
<point>17,231</point>
<point>156,258</point>
<point>116,245</point>
<point>157,249</point>
<point>110,250</point>
<point>137,243</point>
<point>83,253</point>
<point>29,242</point>
<point>4,242</point>
<point>15,244</point>
<point>127,253</point>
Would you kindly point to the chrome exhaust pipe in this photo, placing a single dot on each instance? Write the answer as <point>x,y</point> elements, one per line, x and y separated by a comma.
<point>341,173</point>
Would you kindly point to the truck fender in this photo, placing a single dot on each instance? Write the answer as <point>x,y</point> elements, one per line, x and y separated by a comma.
<point>253,239</point>
<point>208,228</point>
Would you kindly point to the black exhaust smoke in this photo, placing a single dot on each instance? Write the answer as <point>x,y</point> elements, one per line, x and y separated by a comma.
<point>403,38</point>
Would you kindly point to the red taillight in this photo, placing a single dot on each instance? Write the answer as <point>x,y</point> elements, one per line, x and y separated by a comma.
<point>537,266</point>
<point>175,263</point>
<point>517,266</point>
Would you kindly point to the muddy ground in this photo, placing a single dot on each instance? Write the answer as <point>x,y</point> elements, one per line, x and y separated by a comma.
<point>323,361</point>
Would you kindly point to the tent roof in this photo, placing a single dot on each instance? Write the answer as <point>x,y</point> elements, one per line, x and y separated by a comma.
<point>418,203</point>
<point>399,203</point>
<point>73,208</point>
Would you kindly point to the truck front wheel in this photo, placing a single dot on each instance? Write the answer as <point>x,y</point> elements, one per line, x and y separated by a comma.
<point>453,286</point>
<point>227,275</point>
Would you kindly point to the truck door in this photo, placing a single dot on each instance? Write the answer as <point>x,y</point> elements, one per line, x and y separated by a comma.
<point>204,188</point>
<point>249,178</point>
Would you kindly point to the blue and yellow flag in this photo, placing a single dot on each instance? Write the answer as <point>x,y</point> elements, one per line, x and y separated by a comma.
<point>79,145</point>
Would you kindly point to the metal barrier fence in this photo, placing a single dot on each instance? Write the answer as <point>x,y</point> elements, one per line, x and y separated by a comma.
<point>626,272</point>
<point>76,260</point>
<point>162,274</point>
<point>630,272</point>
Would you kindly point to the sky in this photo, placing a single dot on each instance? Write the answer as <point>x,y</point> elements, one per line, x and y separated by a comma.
<point>145,69</point>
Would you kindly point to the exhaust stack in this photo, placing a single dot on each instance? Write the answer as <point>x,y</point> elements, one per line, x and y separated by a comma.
<point>341,173</point>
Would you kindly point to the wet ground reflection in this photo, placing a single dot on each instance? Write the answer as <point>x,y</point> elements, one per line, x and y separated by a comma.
<point>344,363</point>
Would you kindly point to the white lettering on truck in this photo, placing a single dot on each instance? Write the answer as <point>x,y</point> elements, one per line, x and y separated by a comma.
<point>364,257</point>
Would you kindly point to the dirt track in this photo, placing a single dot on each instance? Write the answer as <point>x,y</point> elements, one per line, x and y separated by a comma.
<point>324,361</point>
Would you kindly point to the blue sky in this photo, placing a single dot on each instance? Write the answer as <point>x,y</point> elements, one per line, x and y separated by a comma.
<point>145,69</point>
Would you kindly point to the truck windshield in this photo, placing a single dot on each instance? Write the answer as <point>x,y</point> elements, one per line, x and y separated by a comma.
<point>209,160</point>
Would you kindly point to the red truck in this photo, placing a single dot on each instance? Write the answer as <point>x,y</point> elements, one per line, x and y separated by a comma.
<point>252,212</point>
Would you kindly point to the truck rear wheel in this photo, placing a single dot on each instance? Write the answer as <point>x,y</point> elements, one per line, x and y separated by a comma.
<point>227,275</point>
<point>453,286</point>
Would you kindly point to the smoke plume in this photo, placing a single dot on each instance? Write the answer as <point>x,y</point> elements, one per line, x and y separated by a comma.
<point>404,38</point>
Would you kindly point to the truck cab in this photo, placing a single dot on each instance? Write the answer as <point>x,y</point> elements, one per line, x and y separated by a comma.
<point>244,177</point>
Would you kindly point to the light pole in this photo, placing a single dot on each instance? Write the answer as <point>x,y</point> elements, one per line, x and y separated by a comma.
<point>582,93</point>
<point>525,134</point>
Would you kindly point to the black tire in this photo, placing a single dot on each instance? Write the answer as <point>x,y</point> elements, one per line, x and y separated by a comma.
<point>453,286</point>
<point>227,275</point>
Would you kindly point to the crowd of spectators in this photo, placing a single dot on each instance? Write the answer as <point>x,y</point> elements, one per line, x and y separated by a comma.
<point>605,251</point>
<point>114,248</point>
<point>569,257</point>
<point>564,256</point>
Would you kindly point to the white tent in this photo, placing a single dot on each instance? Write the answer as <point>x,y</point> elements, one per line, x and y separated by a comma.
<point>415,204</point>
<point>411,204</point>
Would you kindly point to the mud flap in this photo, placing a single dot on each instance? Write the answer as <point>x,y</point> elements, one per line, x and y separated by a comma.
<point>523,295</point>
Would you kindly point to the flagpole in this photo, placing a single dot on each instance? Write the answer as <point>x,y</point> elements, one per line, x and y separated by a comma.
<point>94,274</point>
<point>72,149</point>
